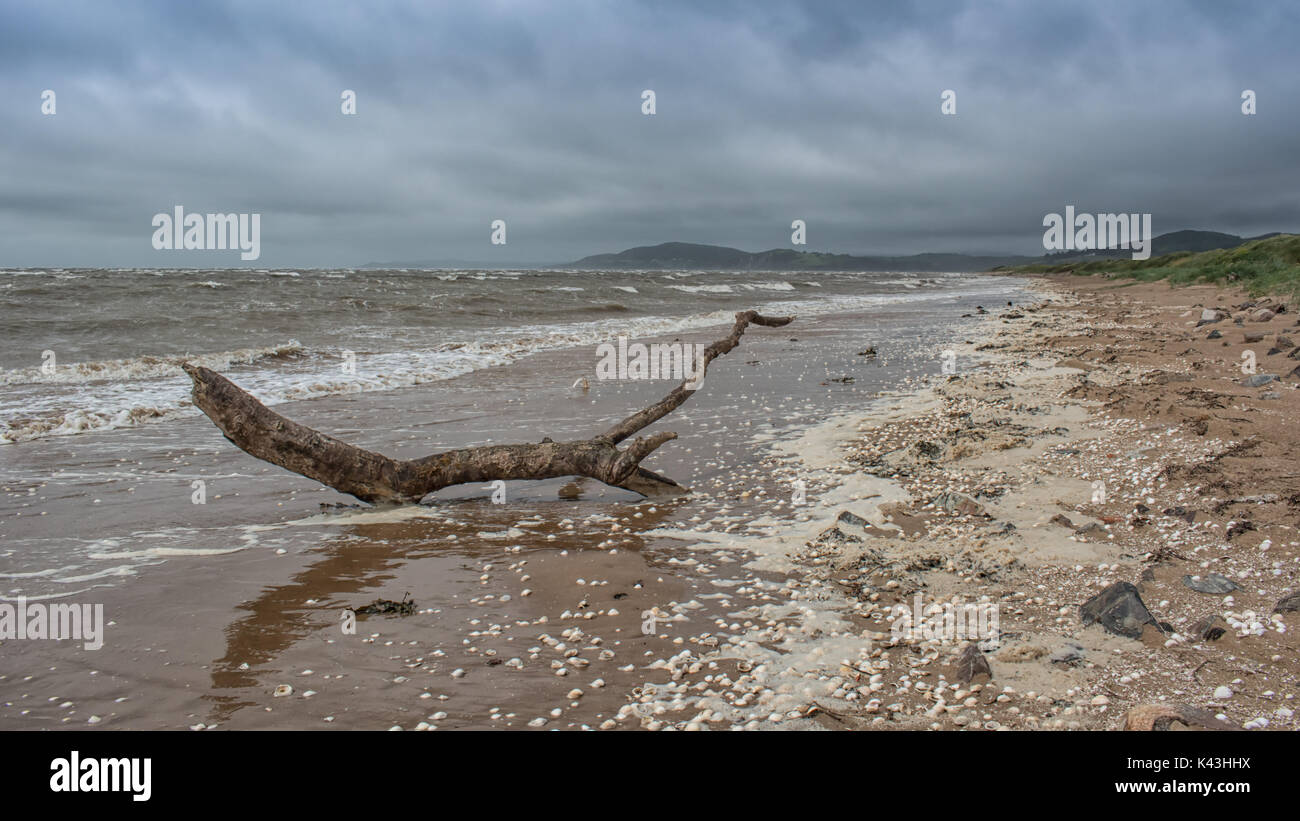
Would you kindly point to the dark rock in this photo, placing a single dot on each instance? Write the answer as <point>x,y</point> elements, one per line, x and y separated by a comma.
<point>1289,604</point>
<point>852,518</point>
<point>1062,520</point>
<point>972,664</point>
<point>1215,335</point>
<point>387,607</point>
<point>1119,609</point>
<point>868,352</point>
<point>1180,512</point>
<point>1211,583</point>
<point>1254,336</point>
<point>1238,528</point>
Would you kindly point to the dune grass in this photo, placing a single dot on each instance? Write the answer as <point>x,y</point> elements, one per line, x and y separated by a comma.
<point>1266,266</point>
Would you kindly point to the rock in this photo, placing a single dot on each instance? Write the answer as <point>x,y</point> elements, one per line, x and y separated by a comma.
<point>1119,609</point>
<point>1180,512</point>
<point>1069,655</point>
<point>1215,335</point>
<point>1254,336</point>
<point>960,504</point>
<point>1222,693</point>
<point>869,352</point>
<point>1213,583</point>
<point>1237,528</point>
<point>1210,628</point>
<point>1147,717</point>
<point>1270,395</point>
<point>1288,604</point>
<point>1090,529</point>
<point>849,517</point>
<point>1257,380</point>
<point>1062,520</point>
<point>972,664</point>
<point>833,535</point>
<point>1262,315</point>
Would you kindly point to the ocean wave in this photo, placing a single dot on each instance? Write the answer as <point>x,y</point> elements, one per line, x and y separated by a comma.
<point>117,394</point>
<point>702,289</point>
<point>144,367</point>
<point>767,286</point>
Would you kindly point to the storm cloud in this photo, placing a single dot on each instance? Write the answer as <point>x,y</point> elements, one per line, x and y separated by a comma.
<point>532,113</point>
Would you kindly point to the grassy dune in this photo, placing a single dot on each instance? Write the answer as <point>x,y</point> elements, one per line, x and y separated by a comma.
<point>1264,266</point>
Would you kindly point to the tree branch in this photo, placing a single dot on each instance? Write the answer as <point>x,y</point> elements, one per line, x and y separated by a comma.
<point>373,477</point>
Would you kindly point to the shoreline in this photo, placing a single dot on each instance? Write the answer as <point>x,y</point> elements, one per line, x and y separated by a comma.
<point>971,489</point>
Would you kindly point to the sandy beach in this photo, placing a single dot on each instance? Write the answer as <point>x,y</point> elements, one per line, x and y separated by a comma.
<point>1017,459</point>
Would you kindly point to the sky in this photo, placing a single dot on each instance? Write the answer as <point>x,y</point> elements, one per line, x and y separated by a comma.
<point>532,113</point>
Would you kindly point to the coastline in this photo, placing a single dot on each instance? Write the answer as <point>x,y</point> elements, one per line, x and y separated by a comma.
<point>970,489</point>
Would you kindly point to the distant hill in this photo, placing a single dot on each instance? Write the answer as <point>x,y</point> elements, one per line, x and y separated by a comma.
<point>1172,243</point>
<point>689,255</point>
<point>682,255</point>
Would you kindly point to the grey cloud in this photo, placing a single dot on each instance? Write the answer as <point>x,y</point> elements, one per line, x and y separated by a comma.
<point>822,111</point>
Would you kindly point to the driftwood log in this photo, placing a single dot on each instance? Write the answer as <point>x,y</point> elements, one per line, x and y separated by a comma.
<point>373,477</point>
